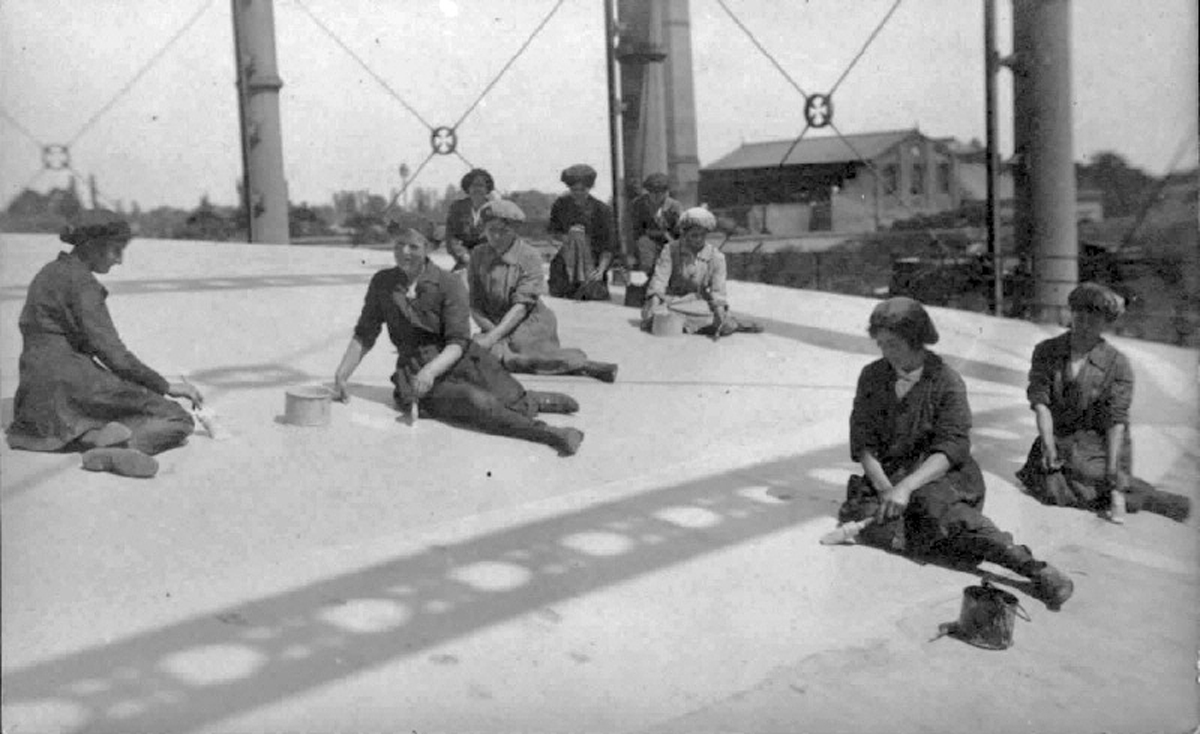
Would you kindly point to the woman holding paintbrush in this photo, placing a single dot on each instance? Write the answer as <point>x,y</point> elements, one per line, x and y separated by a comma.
<point>920,491</point>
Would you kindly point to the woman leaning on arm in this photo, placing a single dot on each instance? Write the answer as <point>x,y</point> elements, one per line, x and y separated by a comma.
<point>1081,389</point>
<point>507,286</point>
<point>80,388</point>
<point>438,367</point>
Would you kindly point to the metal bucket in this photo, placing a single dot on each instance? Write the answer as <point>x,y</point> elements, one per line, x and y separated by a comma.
<point>987,617</point>
<point>667,324</point>
<point>307,406</point>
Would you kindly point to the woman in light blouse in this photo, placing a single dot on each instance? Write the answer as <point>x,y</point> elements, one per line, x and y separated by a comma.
<point>691,269</point>
<point>507,286</point>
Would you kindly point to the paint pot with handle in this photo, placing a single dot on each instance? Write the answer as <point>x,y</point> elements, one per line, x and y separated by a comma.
<point>987,617</point>
<point>667,323</point>
<point>307,406</point>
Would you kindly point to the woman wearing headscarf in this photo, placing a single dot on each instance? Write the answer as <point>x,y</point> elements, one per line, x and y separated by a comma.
<point>920,490</point>
<point>507,285</point>
<point>583,225</point>
<point>465,219</point>
<point>690,271</point>
<point>654,219</point>
<point>80,387</point>
<point>438,367</point>
<point>1080,389</point>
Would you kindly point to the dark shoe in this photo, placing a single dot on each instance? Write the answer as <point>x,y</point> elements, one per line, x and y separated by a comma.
<point>554,402</point>
<point>110,434</point>
<point>567,440</point>
<point>125,462</point>
<point>602,371</point>
<point>1052,587</point>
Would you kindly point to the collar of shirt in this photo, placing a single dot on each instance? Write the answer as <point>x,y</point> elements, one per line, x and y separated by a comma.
<point>705,254</point>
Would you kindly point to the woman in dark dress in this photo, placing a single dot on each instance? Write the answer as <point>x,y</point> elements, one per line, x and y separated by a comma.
<point>1080,389</point>
<point>438,367</point>
<point>654,220</point>
<point>465,219</point>
<point>80,387</point>
<point>910,431</point>
<point>583,226</point>
<point>507,285</point>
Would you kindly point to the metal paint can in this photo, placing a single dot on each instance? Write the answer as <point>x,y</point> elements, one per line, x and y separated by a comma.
<point>307,406</point>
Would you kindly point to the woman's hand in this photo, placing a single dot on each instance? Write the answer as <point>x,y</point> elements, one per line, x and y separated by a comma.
<point>893,502</point>
<point>340,393</point>
<point>422,382</point>
<point>1050,461</point>
<point>593,275</point>
<point>185,390</point>
<point>485,340</point>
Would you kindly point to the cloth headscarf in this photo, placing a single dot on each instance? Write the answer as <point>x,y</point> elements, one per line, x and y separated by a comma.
<point>905,317</point>
<point>507,210</point>
<point>1095,297</point>
<point>698,216</point>
<point>657,182</point>
<point>579,173</point>
<point>96,224</point>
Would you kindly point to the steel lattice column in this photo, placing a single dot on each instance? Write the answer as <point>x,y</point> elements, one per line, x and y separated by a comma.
<point>657,90</point>
<point>265,190</point>
<point>1045,224</point>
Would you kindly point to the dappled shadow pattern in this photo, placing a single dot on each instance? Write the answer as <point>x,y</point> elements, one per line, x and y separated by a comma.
<point>245,656</point>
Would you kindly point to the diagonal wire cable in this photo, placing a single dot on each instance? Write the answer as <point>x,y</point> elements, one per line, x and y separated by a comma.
<point>760,47</point>
<point>20,128</point>
<point>875,171</point>
<point>387,87</point>
<point>865,46</point>
<point>404,187</point>
<point>511,61</point>
<point>141,72</point>
<point>795,142</point>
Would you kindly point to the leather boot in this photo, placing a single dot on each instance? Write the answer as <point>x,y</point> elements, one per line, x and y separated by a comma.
<point>565,440</point>
<point>553,402</point>
<point>1052,586</point>
<point>602,371</point>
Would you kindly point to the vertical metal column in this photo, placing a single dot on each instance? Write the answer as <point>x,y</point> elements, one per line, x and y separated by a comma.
<point>1044,142</point>
<point>991,66</point>
<point>616,153</point>
<point>683,158</point>
<point>258,102</point>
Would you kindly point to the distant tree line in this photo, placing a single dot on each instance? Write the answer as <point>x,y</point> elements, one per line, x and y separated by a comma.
<point>357,217</point>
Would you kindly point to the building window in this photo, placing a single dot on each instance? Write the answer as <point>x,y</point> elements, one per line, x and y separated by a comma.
<point>943,181</point>
<point>918,180</point>
<point>890,178</point>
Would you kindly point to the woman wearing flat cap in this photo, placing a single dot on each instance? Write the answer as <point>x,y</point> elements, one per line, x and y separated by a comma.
<point>690,272</point>
<point>80,388</point>
<point>583,226</point>
<point>507,286</point>
<point>910,431</point>
<point>654,219</point>
<point>438,367</point>
<point>1080,389</point>
<point>465,219</point>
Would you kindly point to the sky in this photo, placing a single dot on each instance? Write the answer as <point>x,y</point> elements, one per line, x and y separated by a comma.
<point>172,135</point>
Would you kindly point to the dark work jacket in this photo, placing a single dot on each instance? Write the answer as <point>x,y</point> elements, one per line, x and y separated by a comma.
<point>934,417</point>
<point>421,326</point>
